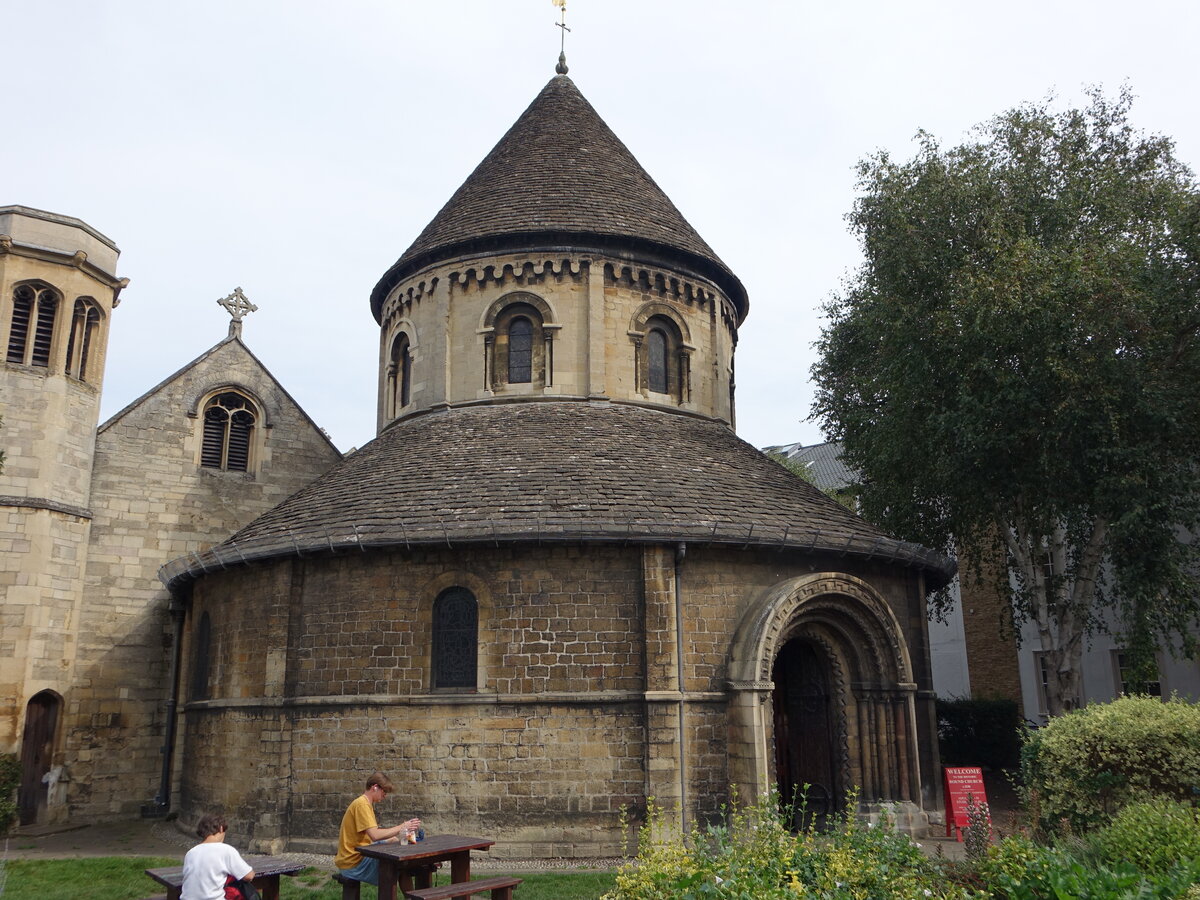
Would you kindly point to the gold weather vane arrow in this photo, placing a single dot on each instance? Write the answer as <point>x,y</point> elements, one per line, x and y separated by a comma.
<point>561,68</point>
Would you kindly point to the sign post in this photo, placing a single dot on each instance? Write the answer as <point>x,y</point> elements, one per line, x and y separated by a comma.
<point>963,784</point>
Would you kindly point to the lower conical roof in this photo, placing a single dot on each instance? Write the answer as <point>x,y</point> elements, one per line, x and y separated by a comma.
<point>555,471</point>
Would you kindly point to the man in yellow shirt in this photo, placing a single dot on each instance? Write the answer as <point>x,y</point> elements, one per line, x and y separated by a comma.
<point>359,827</point>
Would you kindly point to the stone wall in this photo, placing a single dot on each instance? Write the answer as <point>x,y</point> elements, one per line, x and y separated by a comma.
<point>593,305</point>
<point>576,712</point>
<point>152,502</point>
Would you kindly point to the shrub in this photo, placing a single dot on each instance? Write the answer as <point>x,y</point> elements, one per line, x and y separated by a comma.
<point>1081,768</point>
<point>10,779</point>
<point>1036,873</point>
<point>1154,835</point>
<point>755,857</point>
<point>982,732</point>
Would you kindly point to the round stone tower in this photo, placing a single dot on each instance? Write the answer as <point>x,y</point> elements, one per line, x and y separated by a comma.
<point>58,289</point>
<point>558,270</point>
<point>556,584</point>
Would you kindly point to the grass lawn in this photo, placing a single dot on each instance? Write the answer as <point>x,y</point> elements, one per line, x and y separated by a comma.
<point>122,878</point>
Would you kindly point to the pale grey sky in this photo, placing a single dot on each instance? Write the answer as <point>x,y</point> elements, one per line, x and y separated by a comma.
<point>296,148</point>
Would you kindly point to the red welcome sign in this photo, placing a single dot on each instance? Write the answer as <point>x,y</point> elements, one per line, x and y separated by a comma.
<point>962,782</point>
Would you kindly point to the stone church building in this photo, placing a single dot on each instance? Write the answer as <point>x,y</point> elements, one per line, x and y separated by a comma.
<point>555,585</point>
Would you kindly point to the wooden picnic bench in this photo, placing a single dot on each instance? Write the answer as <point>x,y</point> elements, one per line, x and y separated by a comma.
<point>267,870</point>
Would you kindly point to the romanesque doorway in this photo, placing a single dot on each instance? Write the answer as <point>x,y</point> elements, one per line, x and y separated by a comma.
<point>805,731</point>
<point>37,750</point>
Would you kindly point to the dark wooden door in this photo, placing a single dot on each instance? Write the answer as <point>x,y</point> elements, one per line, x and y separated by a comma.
<point>805,728</point>
<point>37,749</point>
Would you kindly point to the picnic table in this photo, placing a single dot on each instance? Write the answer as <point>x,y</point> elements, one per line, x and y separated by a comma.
<point>400,863</point>
<point>267,870</point>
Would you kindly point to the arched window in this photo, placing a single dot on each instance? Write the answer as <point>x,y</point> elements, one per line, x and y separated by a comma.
<point>32,333</point>
<point>455,639</point>
<point>229,420</point>
<point>519,342</point>
<point>201,652</point>
<point>85,325</point>
<point>520,351</point>
<point>400,373</point>
<point>661,357</point>
<point>657,352</point>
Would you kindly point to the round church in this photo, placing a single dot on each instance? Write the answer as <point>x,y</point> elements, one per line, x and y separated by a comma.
<point>557,583</point>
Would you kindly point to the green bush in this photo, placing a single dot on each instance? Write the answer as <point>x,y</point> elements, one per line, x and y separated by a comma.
<point>1083,767</point>
<point>979,732</point>
<point>755,857</point>
<point>10,779</point>
<point>1055,873</point>
<point>1154,835</point>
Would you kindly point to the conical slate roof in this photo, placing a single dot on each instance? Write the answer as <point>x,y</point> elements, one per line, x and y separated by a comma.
<point>560,178</point>
<point>556,471</point>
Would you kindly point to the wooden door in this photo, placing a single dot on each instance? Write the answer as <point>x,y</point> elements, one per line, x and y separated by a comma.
<point>37,750</point>
<point>805,731</point>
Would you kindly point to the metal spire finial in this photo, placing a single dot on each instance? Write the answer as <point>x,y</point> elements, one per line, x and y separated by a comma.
<point>561,68</point>
<point>237,305</point>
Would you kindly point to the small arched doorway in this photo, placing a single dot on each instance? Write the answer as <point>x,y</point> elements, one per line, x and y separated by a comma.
<point>805,730</point>
<point>37,751</point>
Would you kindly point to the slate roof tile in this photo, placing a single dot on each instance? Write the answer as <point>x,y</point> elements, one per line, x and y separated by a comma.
<point>557,470</point>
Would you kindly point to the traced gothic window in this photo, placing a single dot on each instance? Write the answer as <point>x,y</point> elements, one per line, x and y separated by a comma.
<point>32,332</point>
<point>229,420</point>
<point>85,325</point>
<point>400,374</point>
<point>520,351</point>
<point>455,639</point>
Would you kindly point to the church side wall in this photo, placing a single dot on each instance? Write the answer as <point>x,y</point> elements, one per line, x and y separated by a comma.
<point>153,502</point>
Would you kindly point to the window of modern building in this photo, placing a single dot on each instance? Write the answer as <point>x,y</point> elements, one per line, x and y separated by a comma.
<point>455,639</point>
<point>1043,684</point>
<point>31,335</point>
<point>229,420</point>
<point>1129,681</point>
<point>85,325</point>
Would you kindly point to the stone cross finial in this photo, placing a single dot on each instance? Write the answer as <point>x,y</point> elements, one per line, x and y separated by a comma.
<point>237,305</point>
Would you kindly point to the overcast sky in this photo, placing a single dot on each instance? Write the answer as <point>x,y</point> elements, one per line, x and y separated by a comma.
<point>297,148</point>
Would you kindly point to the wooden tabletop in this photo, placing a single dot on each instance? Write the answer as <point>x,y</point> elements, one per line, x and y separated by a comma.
<point>434,847</point>
<point>264,867</point>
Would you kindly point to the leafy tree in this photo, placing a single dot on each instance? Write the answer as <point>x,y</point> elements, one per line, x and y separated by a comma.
<point>1015,368</point>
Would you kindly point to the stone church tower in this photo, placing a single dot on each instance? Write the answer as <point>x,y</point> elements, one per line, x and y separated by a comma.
<point>556,584</point>
<point>58,290</point>
<point>88,514</point>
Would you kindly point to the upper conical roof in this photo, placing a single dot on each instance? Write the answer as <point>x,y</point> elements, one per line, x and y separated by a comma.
<point>561,178</point>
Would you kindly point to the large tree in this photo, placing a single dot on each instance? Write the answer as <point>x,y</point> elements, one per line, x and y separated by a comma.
<point>1015,368</point>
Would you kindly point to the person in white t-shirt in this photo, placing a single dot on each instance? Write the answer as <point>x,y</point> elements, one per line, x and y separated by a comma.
<point>208,865</point>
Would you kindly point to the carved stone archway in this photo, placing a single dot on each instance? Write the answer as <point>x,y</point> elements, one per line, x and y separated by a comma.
<point>872,689</point>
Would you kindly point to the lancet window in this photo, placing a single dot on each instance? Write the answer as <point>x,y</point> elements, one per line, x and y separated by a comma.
<point>81,343</point>
<point>400,374</point>
<point>31,334</point>
<point>229,423</point>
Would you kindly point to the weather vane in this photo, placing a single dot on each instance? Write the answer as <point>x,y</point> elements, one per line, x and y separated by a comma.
<point>237,305</point>
<point>561,68</point>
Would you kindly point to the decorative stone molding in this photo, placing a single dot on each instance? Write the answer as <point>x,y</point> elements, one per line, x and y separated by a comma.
<point>651,281</point>
<point>401,300</point>
<point>520,271</point>
<point>44,503</point>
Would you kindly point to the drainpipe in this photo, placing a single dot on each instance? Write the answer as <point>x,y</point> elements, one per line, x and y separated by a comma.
<point>162,800</point>
<point>680,553</point>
